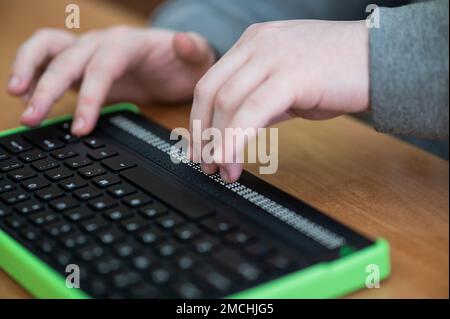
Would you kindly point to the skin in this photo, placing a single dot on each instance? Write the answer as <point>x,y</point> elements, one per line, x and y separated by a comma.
<point>312,69</point>
<point>140,65</point>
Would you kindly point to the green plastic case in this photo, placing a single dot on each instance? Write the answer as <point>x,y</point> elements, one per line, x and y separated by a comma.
<point>324,280</point>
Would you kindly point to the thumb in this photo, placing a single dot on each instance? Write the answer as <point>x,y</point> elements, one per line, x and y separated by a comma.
<point>192,48</point>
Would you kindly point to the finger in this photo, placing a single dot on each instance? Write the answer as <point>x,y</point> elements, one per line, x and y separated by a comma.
<point>108,64</point>
<point>235,90</point>
<point>61,73</point>
<point>43,45</point>
<point>191,48</point>
<point>207,88</point>
<point>270,100</point>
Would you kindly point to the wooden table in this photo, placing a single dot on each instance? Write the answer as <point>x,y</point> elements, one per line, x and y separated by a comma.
<point>372,182</point>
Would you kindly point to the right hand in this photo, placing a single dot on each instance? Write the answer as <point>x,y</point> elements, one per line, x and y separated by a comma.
<point>121,63</point>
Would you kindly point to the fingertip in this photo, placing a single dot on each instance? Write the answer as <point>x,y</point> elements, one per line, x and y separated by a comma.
<point>16,85</point>
<point>29,117</point>
<point>188,48</point>
<point>209,169</point>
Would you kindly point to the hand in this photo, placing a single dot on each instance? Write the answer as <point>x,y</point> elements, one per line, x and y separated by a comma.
<point>121,63</point>
<point>277,70</point>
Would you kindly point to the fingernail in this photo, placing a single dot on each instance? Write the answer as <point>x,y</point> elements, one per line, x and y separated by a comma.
<point>28,111</point>
<point>14,81</point>
<point>78,125</point>
<point>224,175</point>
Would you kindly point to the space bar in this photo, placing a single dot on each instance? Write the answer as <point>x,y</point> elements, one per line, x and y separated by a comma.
<point>157,186</point>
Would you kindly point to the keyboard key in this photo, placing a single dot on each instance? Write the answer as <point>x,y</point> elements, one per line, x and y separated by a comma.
<point>94,224</point>
<point>65,126</point>
<point>44,139</point>
<point>35,184</point>
<point>21,174</point>
<point>13,197</point>
<point>154,184</point>
<point>30,233</point>
<point>144,291</point>
<point>49,193</point>
<point>121,190</point>
<point>117,214</point>
<point>69,138</point>
<point>91,171</point>
<point>102,203</point>
<point>77,214</point>
<point>106,181</point>
<point>6,186</point>
<point>58,173</point>
<point>118,163</point>
<point>217,225</point>
<point>108,265</point>
<point>125,278</point>
<point>187,232</point>
<point>150,236</point>
<point>153,210</point>
<point>166,248</point>
<point>161,276</point>
<point>91,252</point>
<point>143,261</point>
<point>9,165</point>
<point>28,207</point>
<point>126,249</point>
<point>46,245</point>
<point>214,279</point>
<point>77,162</point>
<point>279,262</point>
<point>15,222</point>
<point>185,261</point>
<point>170,221</point>
<point>44,165</point>
<point>63,258</point>
<point>43,218</point>
<point>63,203</point>
<point>258,250</point>
<point>93,142</point>
<point>64,153</point>
<point>15,145</point>
<point>87,193</point>
<point>3,155</point>
<point>239,238</point>
<point>58,229</point>
<point>133,224</point>
<point>32,156</point>
<point>187,290</point>
<point>205,244</point>
<point>4,212</point>
<point>101,153</point>
<point>137,200</point>
<point>236,263</point>
<point>110,236</point>
<point>74,240</point>
<point>72,183</point>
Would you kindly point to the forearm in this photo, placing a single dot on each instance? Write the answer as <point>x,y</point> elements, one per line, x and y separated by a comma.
<point>409,70</point>
<point>223,22</point>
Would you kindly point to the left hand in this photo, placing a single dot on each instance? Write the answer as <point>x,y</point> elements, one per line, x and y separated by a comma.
<point>277,70</point>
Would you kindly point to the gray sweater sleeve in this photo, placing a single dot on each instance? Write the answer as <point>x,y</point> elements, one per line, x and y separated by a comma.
<point>409,72</point>
<point>222,22</point>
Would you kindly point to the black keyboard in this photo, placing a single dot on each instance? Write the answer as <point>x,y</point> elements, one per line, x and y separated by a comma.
<point>140,226</point>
